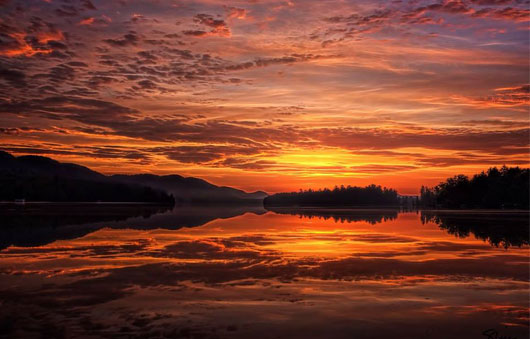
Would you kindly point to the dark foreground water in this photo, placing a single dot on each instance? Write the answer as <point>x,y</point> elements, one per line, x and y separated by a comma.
<point>142,272</point>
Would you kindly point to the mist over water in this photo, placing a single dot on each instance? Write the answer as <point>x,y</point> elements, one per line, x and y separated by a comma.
<point>247,272</point>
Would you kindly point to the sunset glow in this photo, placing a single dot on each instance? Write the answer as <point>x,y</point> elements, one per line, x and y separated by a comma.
<point>269,95</point>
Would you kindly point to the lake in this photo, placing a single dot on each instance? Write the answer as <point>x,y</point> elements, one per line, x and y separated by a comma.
<point>245,272</point>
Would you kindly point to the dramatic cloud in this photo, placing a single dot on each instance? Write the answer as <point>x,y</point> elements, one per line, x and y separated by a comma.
<point>340,92</point>
<point>128,39</point>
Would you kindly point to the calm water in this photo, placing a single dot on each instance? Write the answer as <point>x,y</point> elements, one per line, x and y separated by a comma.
<point>214,272</point>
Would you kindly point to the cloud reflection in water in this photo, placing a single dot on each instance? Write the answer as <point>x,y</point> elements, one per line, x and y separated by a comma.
<point>366,274</point>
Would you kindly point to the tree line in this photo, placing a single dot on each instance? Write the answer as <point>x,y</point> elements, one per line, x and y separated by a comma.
<point>504,188</point>
<point>507,187</point>
<point>339,196</point>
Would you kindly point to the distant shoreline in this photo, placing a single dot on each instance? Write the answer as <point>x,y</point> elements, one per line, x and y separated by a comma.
<point>269,208</point>
<point>378,208</point>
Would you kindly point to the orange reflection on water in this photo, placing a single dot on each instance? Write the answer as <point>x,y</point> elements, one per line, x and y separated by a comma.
<point>365,272</point>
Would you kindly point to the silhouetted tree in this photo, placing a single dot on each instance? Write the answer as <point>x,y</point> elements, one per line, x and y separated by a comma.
<point>504,188</point>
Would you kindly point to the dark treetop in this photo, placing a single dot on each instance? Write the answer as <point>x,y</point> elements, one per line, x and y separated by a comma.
<point>339,196</point>
<point>507,187</point>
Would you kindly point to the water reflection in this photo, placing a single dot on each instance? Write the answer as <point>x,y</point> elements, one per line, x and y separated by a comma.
<point>373,216</point>
<point>503,229</point>
<point>377,274</point>
<point>40,224</point>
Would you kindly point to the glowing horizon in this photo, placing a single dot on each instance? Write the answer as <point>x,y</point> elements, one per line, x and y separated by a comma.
<point>269,95</point>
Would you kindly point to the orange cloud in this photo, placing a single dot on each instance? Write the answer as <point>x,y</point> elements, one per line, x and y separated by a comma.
<point>236,13</point>
<point>22,47</point>
<point>87,21</point>
<point>45,37</point>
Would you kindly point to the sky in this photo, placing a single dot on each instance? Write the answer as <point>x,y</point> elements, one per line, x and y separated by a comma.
<point>269,95</point>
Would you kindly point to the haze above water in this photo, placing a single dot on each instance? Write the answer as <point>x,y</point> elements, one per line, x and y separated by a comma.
<point>250,273</point>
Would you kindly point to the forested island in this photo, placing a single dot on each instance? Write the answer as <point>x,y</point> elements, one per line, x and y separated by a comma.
<point>349,196</point>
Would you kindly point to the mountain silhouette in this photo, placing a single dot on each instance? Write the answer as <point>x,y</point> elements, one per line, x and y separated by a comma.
<point>191,189</point>
<point>38,178</point>
<point>38,165</point>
